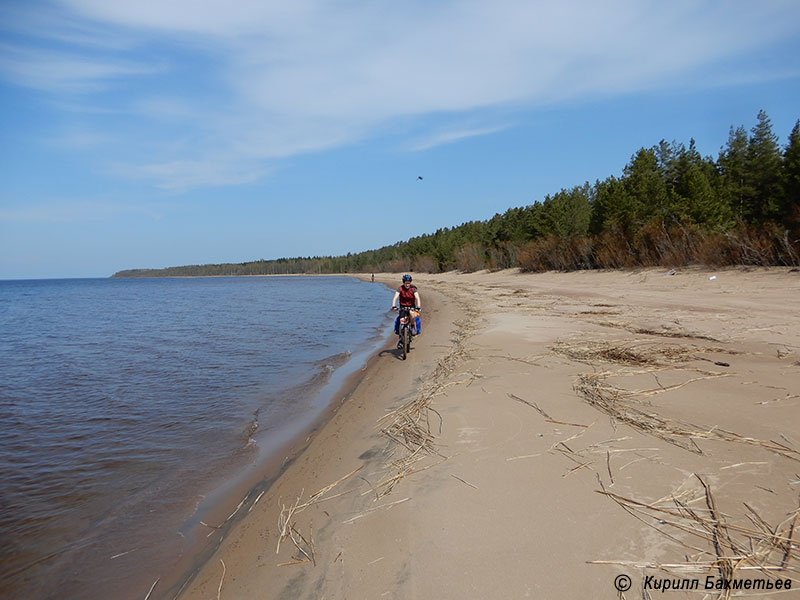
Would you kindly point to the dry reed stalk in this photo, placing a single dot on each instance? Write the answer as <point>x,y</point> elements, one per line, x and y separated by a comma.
<point>676,568</point>
<point>465,482</point>
<point>573,469</point>
<point>787,554</point>
<point>533,405</point>
<point>252,506</point>
<point>603,351</point>
<point>292,563</point>
<point>621,406</point>
<point>669,388</point>
<point>221,579</point>
<point>376,508</point>
<point>569,439</point>
<point>287,527</point>
<point>152,587</point>
<point>733,547</point>
<point>673,334</point>
<point>230,516</point>
<point>285,521</point>
<point>388,482</point>
<point>565,423</point>
<point>741,464</point>
<point>633,352</point>
<point>409,425</point>
<point>315,497</point>
<point>528,360</point>
<point>309,544</point>
<point>524,456</point>
<point>721,535</point>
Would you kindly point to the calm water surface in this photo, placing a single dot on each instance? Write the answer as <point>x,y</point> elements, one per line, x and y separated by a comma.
<point>124,402</point>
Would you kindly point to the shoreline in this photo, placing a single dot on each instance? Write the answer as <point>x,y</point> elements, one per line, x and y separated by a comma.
<point>520,457</point>
<point>224,506</point>
<point>148,510</point>
<point>353,421</point>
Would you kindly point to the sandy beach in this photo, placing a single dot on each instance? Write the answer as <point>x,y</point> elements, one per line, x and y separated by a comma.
<point>556,435</point>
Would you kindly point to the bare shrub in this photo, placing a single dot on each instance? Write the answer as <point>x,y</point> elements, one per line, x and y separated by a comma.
<point>766,245</point>
<point>655,244</point>
<point>581,251</point>
<point>426,264</point>
<point>504,256</point>
<point>676,246</point>
<point>469,258</point>
<point>557,254</point>
<point>713,249</point>
<point>397,265</point>
<point>529,258</point>
<point>789,250</point>
<point>612,251</point>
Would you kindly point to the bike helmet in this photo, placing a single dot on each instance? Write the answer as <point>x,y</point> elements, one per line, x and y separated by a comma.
<point>406,277</point>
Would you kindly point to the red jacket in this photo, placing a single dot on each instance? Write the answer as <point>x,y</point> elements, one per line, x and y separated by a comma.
<point>407,295</point>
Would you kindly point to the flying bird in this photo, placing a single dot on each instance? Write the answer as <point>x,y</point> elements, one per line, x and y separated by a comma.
<point>419,177</point>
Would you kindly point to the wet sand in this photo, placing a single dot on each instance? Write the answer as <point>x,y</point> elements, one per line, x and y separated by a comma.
<point>548,434</point>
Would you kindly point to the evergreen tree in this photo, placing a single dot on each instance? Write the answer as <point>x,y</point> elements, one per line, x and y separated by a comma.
<point>705,207</point>
<point>695,197</point>
<point>671,160</point>
<point>763,173</point>
<point>646,188</point>
<point>791,181</point>
<point>613,208</point>
<point>567,214</point>
<point>733,166</point>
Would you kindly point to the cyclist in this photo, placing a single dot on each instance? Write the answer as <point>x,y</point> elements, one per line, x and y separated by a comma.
<point>409,297</point>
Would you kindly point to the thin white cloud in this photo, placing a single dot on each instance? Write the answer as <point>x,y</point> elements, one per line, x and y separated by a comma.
<point>183,175</point>
<point>63,210</point>
<point>76,138</point>
<point>449,137</point>
<point>211,17</point>
<point>279,78</point>
<point>168,108</point>
<point>46,22</point>
<point>57,72</point>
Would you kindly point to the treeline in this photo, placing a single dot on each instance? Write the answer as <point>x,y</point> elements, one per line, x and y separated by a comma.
<point>670,207</point>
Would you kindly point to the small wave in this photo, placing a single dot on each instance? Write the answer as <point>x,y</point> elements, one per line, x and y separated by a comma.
<point>292,401</point>
<point>336,360</point>
<point>251,428</point>
<point>322,370</point>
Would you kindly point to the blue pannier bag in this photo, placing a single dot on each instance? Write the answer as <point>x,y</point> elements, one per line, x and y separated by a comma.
<point>417,325</point>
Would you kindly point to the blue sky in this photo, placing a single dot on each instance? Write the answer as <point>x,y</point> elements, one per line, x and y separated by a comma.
<point>152,133</point>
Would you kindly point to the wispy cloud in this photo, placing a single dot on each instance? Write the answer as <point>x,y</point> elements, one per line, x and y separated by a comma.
<point>183,175</point>
<point>75,138</point>
<point>59,72</point>
<point>448,137</point>
<point>70,210</point>
<point>279,78</point>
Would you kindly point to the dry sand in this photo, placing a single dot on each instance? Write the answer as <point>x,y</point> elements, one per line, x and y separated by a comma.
<point>549,433</point>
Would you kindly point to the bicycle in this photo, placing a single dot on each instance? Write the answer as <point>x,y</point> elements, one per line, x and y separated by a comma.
<point>405,329</point>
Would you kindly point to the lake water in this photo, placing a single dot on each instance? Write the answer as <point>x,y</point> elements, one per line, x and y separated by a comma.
<point>125,402</point>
